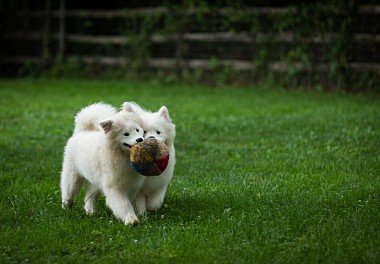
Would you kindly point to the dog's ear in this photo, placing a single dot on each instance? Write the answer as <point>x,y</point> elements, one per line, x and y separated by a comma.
<point>106,125</point>
<point>128,107</point>
<point>164,112</point>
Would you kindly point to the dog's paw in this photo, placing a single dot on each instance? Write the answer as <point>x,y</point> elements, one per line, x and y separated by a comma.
<point>154,204</point>
<point>131,220</point>
<point>89,210</point>
<point>142,212</point>
<point>140,208</point>
<point>67,204</point>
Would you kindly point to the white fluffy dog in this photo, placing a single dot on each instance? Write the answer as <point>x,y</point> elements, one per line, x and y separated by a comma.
<point>98,153</point>
<point>158,125</point>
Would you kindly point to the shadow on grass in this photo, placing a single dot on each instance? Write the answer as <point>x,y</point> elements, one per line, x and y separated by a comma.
<point>189,209</point>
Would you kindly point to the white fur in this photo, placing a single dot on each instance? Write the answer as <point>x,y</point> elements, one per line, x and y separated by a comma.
<point>97,153</point>
<point>153,190</point>
<point>89,117</point>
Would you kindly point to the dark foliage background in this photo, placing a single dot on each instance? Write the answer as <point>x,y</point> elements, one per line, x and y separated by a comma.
<point>332,44</point>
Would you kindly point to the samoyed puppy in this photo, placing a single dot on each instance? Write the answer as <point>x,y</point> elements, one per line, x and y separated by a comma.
<point>160,126</point>
<point>98,154</point>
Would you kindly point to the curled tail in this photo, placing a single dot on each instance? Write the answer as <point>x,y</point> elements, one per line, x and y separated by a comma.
<point>88,118</point>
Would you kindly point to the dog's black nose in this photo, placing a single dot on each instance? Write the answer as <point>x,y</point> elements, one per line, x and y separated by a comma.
<point>139,140</point>
<point>152,137</point>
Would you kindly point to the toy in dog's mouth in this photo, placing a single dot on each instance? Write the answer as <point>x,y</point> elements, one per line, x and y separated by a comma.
<point>150,157</point>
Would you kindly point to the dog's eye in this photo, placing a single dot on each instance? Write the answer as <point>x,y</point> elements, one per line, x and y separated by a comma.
<point>144,132</point>
<point>158,132</point>
<point>137,130</point>
<point>126,134</point>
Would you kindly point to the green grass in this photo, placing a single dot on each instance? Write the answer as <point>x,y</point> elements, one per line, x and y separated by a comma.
<point>263,176</point>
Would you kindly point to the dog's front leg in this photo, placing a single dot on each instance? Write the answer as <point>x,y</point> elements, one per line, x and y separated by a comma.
<point>121,206</point>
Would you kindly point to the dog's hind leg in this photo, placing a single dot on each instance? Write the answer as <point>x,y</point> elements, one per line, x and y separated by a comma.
<point>154,200</point>
<point>140,203</point>
<point>91,198</point>
<point>71,182</point>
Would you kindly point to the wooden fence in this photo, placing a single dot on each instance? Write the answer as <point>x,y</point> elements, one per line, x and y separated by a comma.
<point>54,33</point>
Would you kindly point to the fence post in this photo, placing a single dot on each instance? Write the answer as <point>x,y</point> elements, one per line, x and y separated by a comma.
<point>26,26</point>
<point>61,34</point>
<point>180,45</point>
<point>46,35</point>
<point>351,13</point>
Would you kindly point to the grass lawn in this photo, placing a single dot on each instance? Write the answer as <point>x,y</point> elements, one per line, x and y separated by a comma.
<point>263,175</point>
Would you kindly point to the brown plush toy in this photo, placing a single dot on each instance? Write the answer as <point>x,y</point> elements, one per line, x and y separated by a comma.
<point>150,157</point>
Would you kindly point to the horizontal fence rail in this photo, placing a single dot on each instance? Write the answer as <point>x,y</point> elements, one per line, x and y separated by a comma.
<point>119,13</point>
<point>202,37</point>
<point>207,64</point>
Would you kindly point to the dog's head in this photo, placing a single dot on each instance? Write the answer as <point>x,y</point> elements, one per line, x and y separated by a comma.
<point>123,129</point>
<point>156,125</point>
